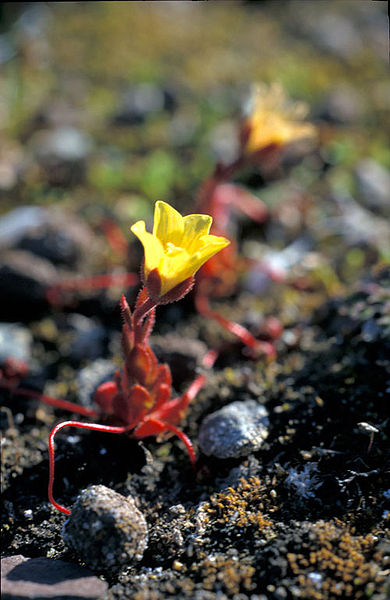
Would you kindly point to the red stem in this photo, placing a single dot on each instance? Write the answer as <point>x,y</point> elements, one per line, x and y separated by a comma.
<point>94,427</point>
<point>203,306</point>
<point>64,404</point>
<point>138,316</point>
<point>182,436</point>
<point>90,283</point>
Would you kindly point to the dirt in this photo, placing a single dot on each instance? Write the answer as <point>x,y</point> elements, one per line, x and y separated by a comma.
<point>307,514</point>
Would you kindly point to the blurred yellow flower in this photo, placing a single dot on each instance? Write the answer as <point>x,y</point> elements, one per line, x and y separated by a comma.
<point>178,246</point>
<point>274,119</point>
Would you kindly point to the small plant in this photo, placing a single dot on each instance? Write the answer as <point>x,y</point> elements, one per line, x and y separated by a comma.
<point>272,123</point>
<point>138,401</point>
<point>304,482</point>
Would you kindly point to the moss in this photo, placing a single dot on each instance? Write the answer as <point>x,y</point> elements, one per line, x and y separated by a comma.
<point>337,564</point>
<point>226,574</point>
<point>242,507</point>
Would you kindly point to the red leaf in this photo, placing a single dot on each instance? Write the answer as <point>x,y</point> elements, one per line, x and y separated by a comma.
<point>104,396</point>
<point>139,364</point>
<point>131,409</point>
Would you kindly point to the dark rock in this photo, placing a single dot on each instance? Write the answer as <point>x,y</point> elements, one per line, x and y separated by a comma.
<point>61,238</point>
<point>141,101</point>
<point>235,430</point>
<point>38,578</point>
<point>374,185</point>
<point>182,355</point>
<point>62,153</point>
<point>15,223</point>
<point>343,105</point>
<point>89,338</point>
<point>24,279</point>
<point>106,529</point>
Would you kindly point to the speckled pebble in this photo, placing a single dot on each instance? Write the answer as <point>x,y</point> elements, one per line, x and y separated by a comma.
<point>235,430</point>
<point>106,529</point>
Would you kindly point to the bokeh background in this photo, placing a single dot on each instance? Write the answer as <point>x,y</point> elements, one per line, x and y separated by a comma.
<point>107,107</point>
<point>105,101</point>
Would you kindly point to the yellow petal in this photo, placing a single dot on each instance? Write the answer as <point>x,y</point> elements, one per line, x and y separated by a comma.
<point>210,245</point>
<point>152,246</point>
<point>168,224</point>
<point>195,226</point>
<point>176,268</point>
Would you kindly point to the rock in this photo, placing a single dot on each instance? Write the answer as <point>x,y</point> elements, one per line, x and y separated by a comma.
<point>15,223</point>
<point>63,240</point>
<point>343,105</point>
<point>182,355</point>
<point>38,578</point>
<point>106,529</point>
<point>62,153</point>
<point>63,143</point>
<point>250,468</point>
<point>15,342</point>
<point>24,279</point>
<point>89,338</point>
<point>89,378</point>
<point>59,237</point>
<point>141,101</point>
<point>374,184</point>
<point>235,430</point>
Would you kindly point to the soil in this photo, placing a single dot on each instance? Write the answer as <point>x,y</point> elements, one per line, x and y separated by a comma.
<point>307,515</point>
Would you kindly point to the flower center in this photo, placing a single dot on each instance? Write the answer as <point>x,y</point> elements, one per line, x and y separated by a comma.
<point>172,250</point>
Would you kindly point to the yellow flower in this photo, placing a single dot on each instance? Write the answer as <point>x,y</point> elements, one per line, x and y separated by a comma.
<point>178,246</point>
<point>274,119</point>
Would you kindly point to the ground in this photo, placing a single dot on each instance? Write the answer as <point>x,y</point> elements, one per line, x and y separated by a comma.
<point>103,119</point>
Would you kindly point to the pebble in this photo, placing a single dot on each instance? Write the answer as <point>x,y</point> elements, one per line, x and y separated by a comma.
<point>62,153</point>
<point>24,279</point>
<point>62,143</point>
<point>235,430</point>
<point>89,337</point>
<point>60,238</point>
<point>15,223</point>
<point>140,101</point>
<point>89,378</point>
<point>23,578</point>
<point>183,359</point>
<point>106,529</point>
<point>374,185</point>
<point>15,342</point>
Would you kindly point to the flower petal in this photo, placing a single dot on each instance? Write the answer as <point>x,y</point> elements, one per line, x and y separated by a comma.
<point>168,224</point>
<point>210,245</point>
<point>152,246</point>
<point>195,226</point>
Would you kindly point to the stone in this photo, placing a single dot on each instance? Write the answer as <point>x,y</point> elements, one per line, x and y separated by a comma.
<point>106,529</point>
<point>235,430</point>
<point>141,101</point>
<point>24,279</point>
<point>38,578</point>
<point>90,377</point>
<point>182,356</point>
<point>374,185</point>
<point>89,337</point>
<point>15,342</point>
<point>62,153</point>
